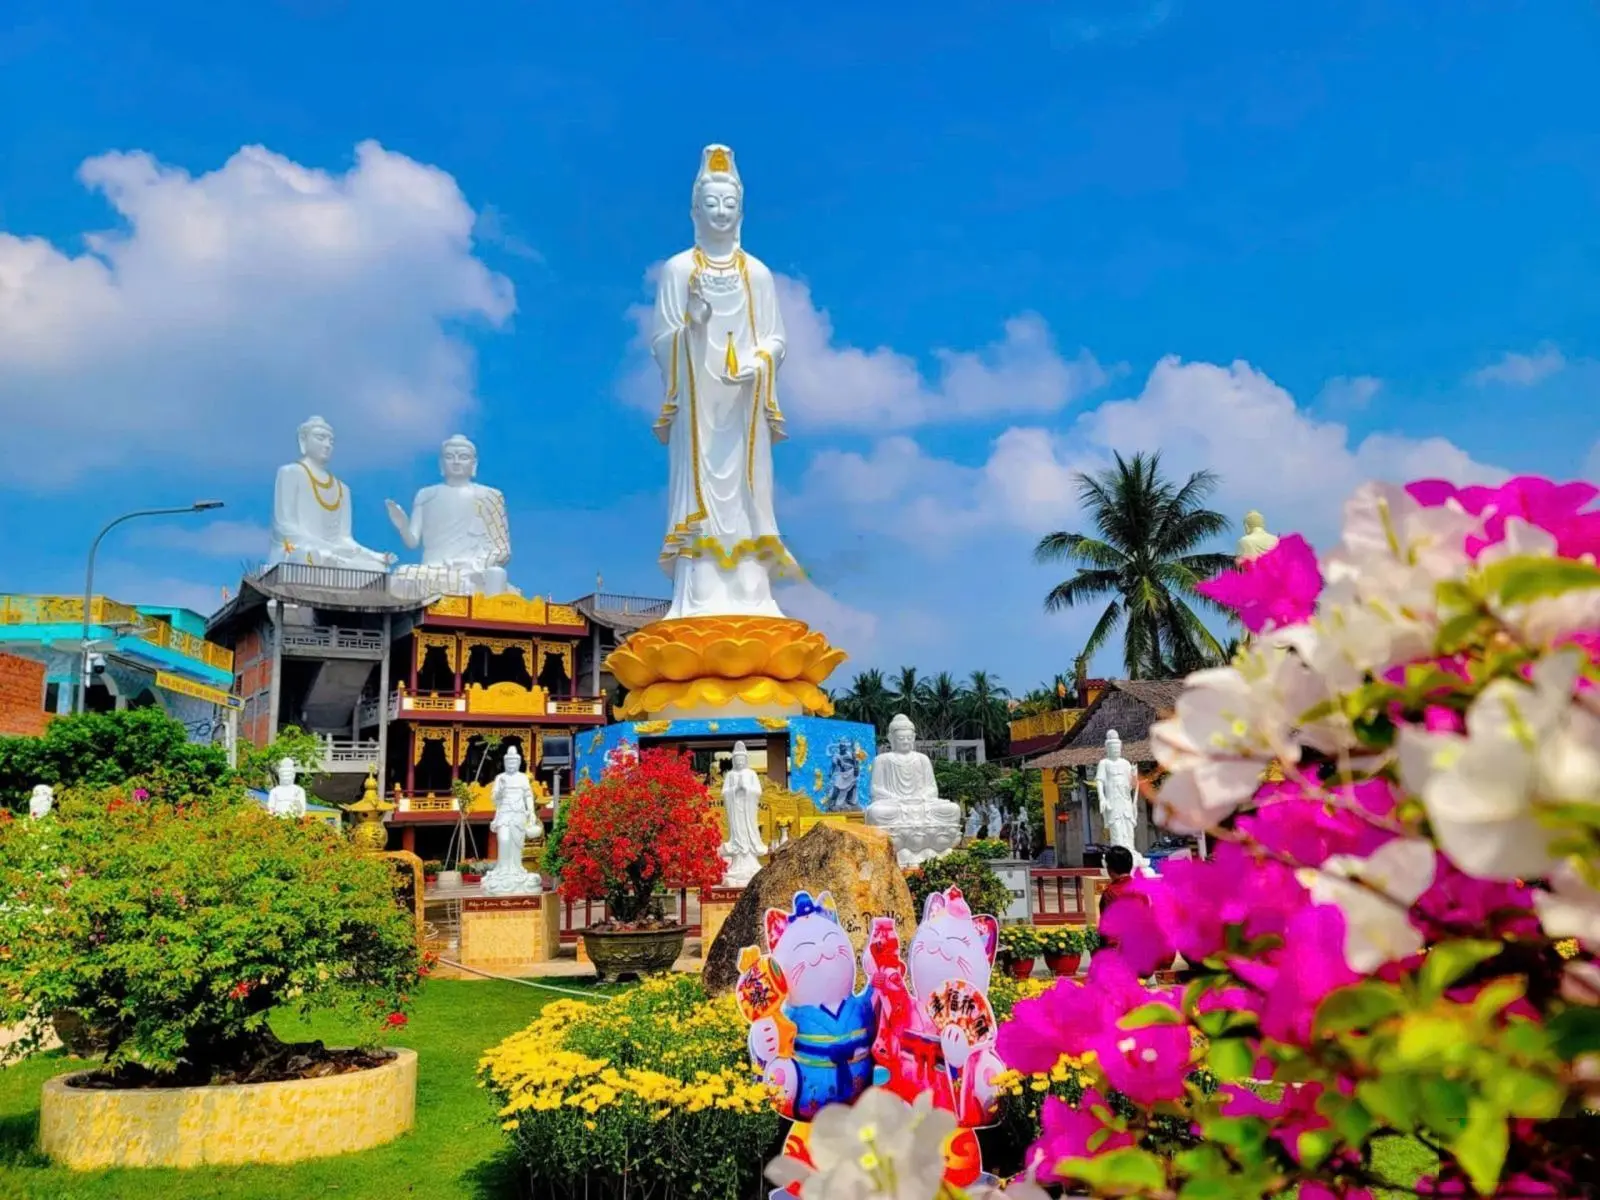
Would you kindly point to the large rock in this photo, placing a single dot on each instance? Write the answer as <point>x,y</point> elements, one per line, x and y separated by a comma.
<point>855,863</point>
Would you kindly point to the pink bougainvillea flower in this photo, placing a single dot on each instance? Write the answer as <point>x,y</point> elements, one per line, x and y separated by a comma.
<point>1557,508</point>
<point>1278,589</point>
<point>1310,965</point>
<point>1068,1132</point>
<point>1310,828</point>
<point>1062,1021</point>
<point>1317,1189</point>
<point>1292,1114</point>
<point>1131,925</point>
<point>1148,1064</point>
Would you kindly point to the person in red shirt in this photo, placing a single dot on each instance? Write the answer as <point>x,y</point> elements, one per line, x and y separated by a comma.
<point>1119,865</point>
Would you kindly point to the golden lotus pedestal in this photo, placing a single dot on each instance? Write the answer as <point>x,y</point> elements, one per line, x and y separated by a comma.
<point>725,667</point>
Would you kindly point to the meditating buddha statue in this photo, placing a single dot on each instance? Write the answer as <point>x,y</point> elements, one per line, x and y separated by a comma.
<point>905,799</point>
<point>311,510</point>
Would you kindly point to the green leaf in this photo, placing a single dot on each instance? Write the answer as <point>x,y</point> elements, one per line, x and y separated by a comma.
<point>1449,961</point>
<point>1496,996</point>
<point>1481,1148</point>
<point>1128,1170</point>
<point>1349,1117</point>
<point>1155,1013</point>
<point>1230,1059</point>
<point>1528,577</point>
<point>1444,1105</point>
<point>1429,1039</point>
<point>1392,1098</point>
<point>1314,1145</point>
<point>1360,1006</point>
<point>1576,1031</point>
<point>1522,1093</point>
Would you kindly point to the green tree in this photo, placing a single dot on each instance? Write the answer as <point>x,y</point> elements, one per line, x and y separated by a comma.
<point>985,712</point>
<point>96,749</point>
<point>869,701</point>
<point>258,765</point>
<point>943,705</point>
<point>910,691</point>
<point>1144,555</point>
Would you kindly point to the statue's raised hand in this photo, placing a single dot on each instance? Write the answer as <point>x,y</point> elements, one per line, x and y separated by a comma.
<point>397,515</point>
<point>698,309</point>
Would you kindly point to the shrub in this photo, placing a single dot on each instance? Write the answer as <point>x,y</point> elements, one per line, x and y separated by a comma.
<point>653,1085</point>
<point>1062,939</point>
<point>983,889</point>
<point>647,822</point>
<point>988,849</point>
<point>96,749</point>
<point>172,924</point>
<point>1019,943</point>
<point>258,765</point>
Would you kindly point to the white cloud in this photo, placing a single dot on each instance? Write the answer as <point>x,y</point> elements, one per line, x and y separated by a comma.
<point>229,306</point>
<point>1348,393</point>
<point>823,385</point>
<point>215,539</point>
<point>1521,370</point>
<point>1268,452</point>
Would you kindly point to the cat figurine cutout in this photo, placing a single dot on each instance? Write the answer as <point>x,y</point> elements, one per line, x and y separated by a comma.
<point>820,1051</point>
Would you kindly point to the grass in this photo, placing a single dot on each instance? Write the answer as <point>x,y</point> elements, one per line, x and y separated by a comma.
<point>456,1149</point>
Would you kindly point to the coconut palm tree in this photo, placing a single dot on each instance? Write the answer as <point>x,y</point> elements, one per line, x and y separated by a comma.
<point>1143,555</point>
<point>910,691</point>
<point>984,711</point>
<point>869,701</point>
<point>943,702</point>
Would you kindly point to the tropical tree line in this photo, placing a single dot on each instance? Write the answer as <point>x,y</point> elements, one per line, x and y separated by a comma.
<point>942,706</point>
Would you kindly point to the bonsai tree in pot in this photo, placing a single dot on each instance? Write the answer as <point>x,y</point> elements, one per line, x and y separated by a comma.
<point>172,924</point>
<point>648,823</point>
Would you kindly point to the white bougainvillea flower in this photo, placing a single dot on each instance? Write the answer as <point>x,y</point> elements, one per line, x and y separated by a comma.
<point>1229,724</point>
<point>1548,619</point>
<point>1377,927</point>
<point>1482,790</point>
<point>1571,909</point>
<point>880,1146</point>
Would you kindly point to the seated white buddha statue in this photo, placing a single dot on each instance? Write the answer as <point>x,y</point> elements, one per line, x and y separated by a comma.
<point>1257,540</point>
<point>311,510</point>
<point>287,798</point>
<point>460,525</point>
<point>906,802</point>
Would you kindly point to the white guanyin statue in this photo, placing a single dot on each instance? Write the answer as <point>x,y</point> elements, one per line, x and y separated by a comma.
<point>516,819</point>
<point>460,525</point>
<point>42,800</point>
<point>718,338</point>
<point>311,510</point>
<point>905,799</point>
<point>1256,540</point>
<point>288,798</point>
<point>1117,781</point>
<point>741,801</point>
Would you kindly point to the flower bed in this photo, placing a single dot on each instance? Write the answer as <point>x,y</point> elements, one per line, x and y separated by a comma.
<point>654,1085</point>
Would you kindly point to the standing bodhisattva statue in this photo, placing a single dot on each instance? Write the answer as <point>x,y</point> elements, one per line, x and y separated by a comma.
<point>718,339</point>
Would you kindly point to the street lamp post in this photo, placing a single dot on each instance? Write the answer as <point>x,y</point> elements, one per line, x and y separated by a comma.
<point>85,650</point>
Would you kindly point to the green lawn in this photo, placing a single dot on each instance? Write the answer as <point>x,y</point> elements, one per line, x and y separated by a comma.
<point>455,1150</point>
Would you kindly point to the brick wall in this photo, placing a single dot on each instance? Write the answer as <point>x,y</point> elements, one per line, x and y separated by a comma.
<point>252,678</point>
<point>21,697</point>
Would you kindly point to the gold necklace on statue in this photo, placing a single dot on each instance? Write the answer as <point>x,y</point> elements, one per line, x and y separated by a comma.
<point>318,486</point>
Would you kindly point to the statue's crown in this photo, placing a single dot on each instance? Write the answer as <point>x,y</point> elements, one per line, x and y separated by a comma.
<point>718,159</point>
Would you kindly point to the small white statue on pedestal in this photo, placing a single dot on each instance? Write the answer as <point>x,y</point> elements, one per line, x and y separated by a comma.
<point>288,798</point>
<point>906,802</point>
<point>460,525</point>
<point>1256,540</point>
<point>1117,781</point>
<point>516,819</point>
<point>741,799</point>
<point>311,510</point>
<point>42,800</point>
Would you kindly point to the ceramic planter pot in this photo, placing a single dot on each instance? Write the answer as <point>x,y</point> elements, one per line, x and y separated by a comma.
<point>1020,968</point>
<point>617,953</point>
<point>1063,964</point>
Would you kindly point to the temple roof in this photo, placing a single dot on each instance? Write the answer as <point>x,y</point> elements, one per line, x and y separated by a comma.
<point>621,613</point>
<point>1085,745</point>
<point>336,589</point>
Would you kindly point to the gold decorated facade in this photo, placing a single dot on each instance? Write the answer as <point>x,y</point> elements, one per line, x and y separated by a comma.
<point>105,612</point>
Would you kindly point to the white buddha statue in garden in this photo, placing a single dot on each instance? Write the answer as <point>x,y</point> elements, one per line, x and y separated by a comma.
<point>516,820</point>
<point>906,802</point>
<point>1117,781</point>
<point>1256,540</point>
<point>719,340</point>
<point>311,510</point>
<point>741,802</point>
<point>461,526</point>
<point>288,798</point>
<point>42,800</point>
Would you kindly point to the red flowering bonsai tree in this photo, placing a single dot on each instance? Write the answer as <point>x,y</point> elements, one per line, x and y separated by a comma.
<point>648,822</point>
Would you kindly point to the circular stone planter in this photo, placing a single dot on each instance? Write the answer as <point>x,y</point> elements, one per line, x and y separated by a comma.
<point>88,1129</point>
<point>618,952</point>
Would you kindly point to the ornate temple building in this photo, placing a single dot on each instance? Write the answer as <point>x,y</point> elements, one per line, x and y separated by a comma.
<point>431,691</point>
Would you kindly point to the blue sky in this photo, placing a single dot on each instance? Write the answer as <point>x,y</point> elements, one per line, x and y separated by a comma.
<point>1303,245</point>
